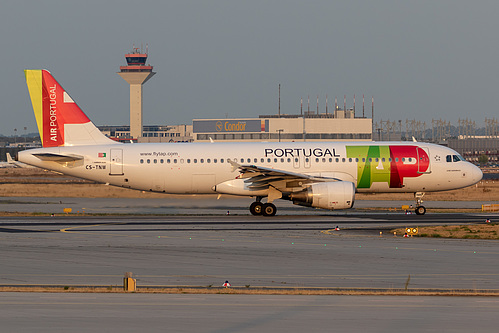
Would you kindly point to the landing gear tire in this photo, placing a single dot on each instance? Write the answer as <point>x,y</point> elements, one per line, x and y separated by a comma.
<point>256,208</point>
<point>420,210</point>
<point>269,209</point>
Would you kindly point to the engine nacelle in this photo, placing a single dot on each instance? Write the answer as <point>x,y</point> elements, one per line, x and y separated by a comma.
<point>327,195</point>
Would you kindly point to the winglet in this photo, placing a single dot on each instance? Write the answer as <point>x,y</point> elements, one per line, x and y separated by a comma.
<point>234,165</point>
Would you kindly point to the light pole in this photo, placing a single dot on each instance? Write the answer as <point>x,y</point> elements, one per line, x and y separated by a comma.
<point>279,133</point>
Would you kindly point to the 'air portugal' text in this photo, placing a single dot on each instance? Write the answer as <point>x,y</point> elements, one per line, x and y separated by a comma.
<point>53,113</point>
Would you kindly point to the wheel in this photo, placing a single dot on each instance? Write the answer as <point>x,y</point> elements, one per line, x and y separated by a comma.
<point>256,208</point>
<point>420,210</point>
<point>269,209</point>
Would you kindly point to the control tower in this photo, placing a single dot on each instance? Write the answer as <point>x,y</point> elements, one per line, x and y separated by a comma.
<point>136,73</point>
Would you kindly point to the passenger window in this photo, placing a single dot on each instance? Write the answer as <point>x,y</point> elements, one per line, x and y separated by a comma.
<point>289,160</point>
<point>188,160</point>
<point>337,160</point>
<point>148,161</point>
<point>356,159</point>
<point>161,161</point>
<point>296,159</point>
<point>268,160</point>
<point>221,160</point>
<point>155,161</point>
<point>141,161</point>
<point>282,160</point>
<point>195,160</point>
<point>168,161</point>
<point>343,159</point>
<point>262,160</point>
<point>363,159</point>
<point>275,160</point>
<point>175,161</point>
<point>323,160</point>
<point>330,160</point>
<point>208,161</point>
<point>370,160</point>
<point>255,160</point>
<point>317,160</point>
<point>349,160</point>
<point>201,160</point>
<point>214,160</point>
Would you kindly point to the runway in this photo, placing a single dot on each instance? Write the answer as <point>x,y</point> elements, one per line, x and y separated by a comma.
<point>28,312</point>
<point>246,250</point>
<point>196,205</point>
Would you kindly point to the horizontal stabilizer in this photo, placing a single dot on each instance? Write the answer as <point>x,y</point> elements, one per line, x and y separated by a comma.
<point>58,158</point>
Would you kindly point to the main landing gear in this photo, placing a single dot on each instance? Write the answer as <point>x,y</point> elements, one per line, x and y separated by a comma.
<point>265,209</point>
<point>420,209</point>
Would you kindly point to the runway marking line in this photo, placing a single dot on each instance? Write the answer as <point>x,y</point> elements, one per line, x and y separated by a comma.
<point>69,230</point>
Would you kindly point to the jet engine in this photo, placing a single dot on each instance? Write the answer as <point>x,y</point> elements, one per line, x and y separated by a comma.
<point>327,195</point>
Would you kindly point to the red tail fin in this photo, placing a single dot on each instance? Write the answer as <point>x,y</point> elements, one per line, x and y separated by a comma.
<point>60,121</point>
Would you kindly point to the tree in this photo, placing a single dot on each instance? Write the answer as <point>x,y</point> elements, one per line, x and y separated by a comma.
<point>483,159</point>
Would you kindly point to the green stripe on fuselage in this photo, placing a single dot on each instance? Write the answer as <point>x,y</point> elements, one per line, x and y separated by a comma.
<point>368,170</point>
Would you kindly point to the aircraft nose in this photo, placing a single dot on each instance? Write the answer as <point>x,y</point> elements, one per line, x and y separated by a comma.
<point>476,174</point>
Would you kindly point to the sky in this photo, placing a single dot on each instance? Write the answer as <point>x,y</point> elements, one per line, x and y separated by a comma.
<point>420,59</point>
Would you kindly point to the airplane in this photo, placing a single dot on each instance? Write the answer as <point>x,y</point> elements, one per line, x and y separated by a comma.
<point>314,174</point>
<point>11,163</point>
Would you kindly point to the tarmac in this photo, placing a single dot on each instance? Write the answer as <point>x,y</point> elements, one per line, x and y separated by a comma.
<point>32,312</point>
<point>297,251</point>
<point>206,250</point>
<point>198,205</point>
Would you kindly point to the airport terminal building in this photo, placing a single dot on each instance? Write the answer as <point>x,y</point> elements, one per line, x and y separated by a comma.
<point>322,127</point>
<point>151,133</point>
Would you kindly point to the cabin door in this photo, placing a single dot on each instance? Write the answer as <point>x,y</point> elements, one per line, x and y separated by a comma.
<point>424,165</point>
<point>116,162</point>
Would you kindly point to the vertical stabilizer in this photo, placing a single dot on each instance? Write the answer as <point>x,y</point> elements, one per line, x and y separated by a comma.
<point>60,120</point>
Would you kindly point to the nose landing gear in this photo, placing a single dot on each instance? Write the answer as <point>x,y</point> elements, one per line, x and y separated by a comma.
<point>420,209</point>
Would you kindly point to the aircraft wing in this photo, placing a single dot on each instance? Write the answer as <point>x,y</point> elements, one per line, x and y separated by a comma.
<point>258,177</point>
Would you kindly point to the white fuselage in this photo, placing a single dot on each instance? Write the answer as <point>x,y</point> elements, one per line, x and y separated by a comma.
<point>185,168</point>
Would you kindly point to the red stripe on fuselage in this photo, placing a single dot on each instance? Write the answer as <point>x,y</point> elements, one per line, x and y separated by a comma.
<point>400,169</point>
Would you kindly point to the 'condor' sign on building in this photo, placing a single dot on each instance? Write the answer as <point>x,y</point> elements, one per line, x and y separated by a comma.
<point>229,126</point>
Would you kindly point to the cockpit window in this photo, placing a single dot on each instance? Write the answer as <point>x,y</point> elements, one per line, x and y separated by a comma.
<point>454,158</point>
